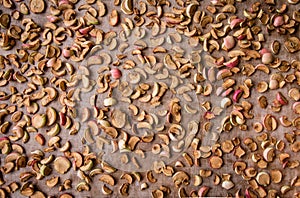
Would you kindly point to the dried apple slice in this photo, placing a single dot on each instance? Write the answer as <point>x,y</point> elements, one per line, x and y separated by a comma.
<point>111,131</point>
<point>118,119</point>
<point>295,147</point>
<point>4,20</point>
<point>239,152</point>
<point>227,184</point>
<point>39,120</point>
<point>124,188</point>
<point>197,180</point>
<point>4,127</point>
<point>296,107</point>
<point>169,63</point>
<point>215,162</point>
<point>180,177</point>
<point>157,193</point>
<point>127,6</point>
<point>270,122</point>
<point>37,6</point>
<point>94,60</point>
<point>269,154</point>
<point>292,44</point>
<point>5,145</point>
<point>227,146</point>
<point>39,138</point>
<point>203,191</point>
<point>102,8</point>
<point>262,87</point>
<point>62,164</point>
<point>239,167</point>
<point>54,130</point>
<point>52,182</point>
<point>105,190</point>
<point>93,127</point>
<point>82,186</point>
<point>114,18</point>
<point>263,178</point>
<point>276,176</point>
<point>294,94</point>
<point>108,179</point>
<point>51,115</point>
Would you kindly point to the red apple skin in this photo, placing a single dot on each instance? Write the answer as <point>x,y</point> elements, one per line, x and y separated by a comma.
<point>203,191</point>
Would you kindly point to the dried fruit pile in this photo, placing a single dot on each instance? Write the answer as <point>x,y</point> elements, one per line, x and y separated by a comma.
<point>149,98</point>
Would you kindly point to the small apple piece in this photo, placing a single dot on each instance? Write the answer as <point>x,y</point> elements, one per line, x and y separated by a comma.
<point>263,178</point>
<point>276,176</point>
<point>203,191</point>
<point>215,162</point>
<point>269,154</point>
